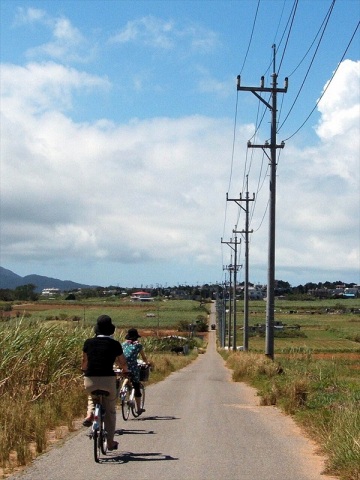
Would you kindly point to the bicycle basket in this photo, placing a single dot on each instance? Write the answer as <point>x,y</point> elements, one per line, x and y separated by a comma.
<point>144,373</point>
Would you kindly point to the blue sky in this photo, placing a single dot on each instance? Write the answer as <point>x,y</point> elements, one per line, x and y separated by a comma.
<point>122,131</point>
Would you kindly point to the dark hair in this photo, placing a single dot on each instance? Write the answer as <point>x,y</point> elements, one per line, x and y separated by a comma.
<point>132,334</point>
<point>104,326</point>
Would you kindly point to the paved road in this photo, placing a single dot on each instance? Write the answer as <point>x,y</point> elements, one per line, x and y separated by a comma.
<point>198,425</point>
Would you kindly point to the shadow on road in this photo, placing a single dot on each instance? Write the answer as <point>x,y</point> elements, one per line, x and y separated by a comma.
<point>126,457</point>
<point>156,417</point>
<point>122,431</point>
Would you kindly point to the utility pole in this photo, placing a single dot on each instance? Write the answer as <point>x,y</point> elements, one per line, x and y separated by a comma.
<point>233,268</point>
<point>246,284</point>
<point>229,268</point>
<point>223,324</point>
<point>270,302</point>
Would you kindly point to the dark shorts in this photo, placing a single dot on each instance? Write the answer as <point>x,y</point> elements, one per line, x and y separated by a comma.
<point>136,386</point>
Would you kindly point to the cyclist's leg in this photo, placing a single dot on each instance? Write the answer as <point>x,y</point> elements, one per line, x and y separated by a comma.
<point>109,402</point>
<point>138,397</point>
<point>90,407</point>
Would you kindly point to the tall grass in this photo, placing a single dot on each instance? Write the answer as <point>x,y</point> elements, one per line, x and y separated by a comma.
<point>41,385</point>
<point>39,374</point>
<point>323,395</point>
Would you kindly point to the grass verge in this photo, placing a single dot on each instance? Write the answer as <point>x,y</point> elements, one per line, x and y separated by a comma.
<point>322,394</point>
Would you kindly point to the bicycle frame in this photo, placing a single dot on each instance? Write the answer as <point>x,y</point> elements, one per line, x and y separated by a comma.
<point>126,393</point>
<point>98,432</point>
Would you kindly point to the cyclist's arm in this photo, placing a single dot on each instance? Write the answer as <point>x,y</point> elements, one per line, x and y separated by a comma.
<point>84,362</point>
<point>143,356</point>
<point>121,361</point>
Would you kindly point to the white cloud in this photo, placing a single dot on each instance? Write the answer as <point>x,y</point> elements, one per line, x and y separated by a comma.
<point>166,35</point>
<point>101,190</point>
<point>154,190</point>
<point>148,30</point>
<point>67,42</point>
<point>47,86</point>
<point>29,16</point>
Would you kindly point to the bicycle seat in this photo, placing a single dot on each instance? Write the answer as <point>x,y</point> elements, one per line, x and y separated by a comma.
<point>97,393</point>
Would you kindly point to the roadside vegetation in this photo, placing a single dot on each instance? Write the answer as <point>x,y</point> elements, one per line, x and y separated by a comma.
<point>314,377</point>
<point>41,385</point>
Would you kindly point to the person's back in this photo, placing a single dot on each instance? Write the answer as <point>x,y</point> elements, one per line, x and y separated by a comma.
<point>132,348</point>
<point>101,352</point>
<point>99,355</point>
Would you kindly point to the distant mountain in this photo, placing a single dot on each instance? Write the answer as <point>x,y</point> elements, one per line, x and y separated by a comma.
<point>11,280</point>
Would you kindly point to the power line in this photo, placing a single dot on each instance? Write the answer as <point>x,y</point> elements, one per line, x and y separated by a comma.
<point>327,86</point>
<point>283,34</point>
<point>232,156</point>
<point>288,36</point>
<point>312,61</point>
<point>251,36</point>
<point>310,47</point>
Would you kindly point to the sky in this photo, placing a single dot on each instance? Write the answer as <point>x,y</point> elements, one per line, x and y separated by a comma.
<point>122,133</point>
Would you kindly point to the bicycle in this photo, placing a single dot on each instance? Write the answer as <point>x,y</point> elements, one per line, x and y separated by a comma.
<point>127,393</point>
<point>98,432</point>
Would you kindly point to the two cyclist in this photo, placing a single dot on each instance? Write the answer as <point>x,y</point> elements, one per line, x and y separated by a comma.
<point>99,355</point>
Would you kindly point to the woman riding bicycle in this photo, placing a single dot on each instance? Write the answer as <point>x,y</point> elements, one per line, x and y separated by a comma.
<point>132,348</point>
<point>99,355</point>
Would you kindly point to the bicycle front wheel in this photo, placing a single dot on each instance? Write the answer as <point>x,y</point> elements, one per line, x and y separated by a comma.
<point>125,401</point>
<point>103,439</point>
<point>134,410</point>
<point>96,446</point>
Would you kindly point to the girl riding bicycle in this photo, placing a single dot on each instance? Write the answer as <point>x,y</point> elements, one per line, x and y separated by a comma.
<point>132,348</point>
<point>99,355</point>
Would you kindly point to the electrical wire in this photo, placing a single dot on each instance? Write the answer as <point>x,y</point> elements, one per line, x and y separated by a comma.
<point>309,67</point>
<point>327,86</point>
<point>232,157</point>
<point>236,108</point>
<point>308,50</point>
<point>283,34</point>
<point>262,220</point>
<point>289,32</point>
<point>251,36</point>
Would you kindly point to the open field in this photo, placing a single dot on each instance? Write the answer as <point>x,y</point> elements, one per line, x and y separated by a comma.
<point>125,314</point>
<point>325,325</point>
<point>315,377</point>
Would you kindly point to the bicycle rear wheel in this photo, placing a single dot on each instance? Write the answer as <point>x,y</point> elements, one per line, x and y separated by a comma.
<point>134,410</point>
<point>125,401</point>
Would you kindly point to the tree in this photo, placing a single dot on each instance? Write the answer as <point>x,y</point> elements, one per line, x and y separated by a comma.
<point>26,292</point>
<point>7,295</point>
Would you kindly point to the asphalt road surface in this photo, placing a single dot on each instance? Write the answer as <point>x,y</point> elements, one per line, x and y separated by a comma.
<point>198,425</point>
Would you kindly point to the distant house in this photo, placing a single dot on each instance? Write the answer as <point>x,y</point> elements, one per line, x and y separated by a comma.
<point>255,294</point>
<point>351,292</point>
<point>47,292</point>
<point>141,297</point>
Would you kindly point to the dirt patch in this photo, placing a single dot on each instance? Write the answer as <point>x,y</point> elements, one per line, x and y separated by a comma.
<point>337,355</point>
<point>327,355</point>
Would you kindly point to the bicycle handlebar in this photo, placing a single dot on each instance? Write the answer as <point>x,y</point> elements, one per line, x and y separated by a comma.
<point>120,370</point>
